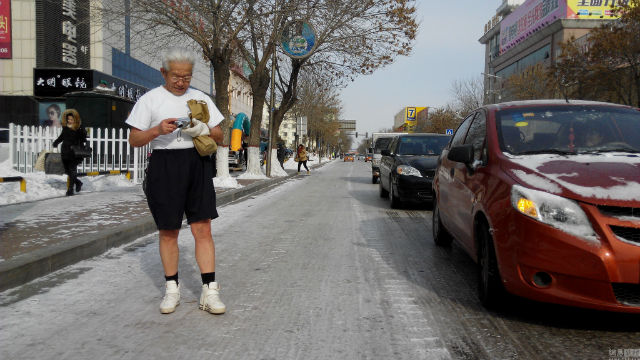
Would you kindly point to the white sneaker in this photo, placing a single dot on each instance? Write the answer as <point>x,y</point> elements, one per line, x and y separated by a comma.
<point>210,299</point>
<point>171,297</point>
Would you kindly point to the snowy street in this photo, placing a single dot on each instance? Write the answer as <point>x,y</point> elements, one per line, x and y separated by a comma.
<point>317,268</point>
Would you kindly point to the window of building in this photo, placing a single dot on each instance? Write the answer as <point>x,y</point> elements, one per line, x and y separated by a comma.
<point>521,65</point>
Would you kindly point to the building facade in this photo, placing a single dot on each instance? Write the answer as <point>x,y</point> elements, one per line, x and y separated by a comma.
<point>58,47</point>
<point>529,33</point>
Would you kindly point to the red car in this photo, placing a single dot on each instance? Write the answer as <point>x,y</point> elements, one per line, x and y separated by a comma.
<point>545,197</point>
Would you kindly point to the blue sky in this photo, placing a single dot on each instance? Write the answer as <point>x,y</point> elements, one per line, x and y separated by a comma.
<point>446,50</point>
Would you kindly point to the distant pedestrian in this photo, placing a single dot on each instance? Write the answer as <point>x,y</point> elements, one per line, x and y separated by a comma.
<point>302,158</point>
<point>180,180</point>
<point>280,154</point>
<point>72,134</point>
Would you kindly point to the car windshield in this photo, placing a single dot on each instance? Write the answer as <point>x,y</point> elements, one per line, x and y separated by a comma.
<point>422,145</point>
<point>382,144</point>
<point>569,129</point>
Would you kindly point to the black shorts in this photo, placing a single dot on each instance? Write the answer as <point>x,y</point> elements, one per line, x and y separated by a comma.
<point>180,182</point>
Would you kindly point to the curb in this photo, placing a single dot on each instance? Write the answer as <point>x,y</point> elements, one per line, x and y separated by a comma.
<point>20,270</point>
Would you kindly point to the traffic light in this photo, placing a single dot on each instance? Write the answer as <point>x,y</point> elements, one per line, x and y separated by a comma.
<point>356,134</point>
<point>366,135</point>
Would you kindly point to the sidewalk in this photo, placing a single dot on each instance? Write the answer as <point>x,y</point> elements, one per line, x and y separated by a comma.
<point>40,237</point>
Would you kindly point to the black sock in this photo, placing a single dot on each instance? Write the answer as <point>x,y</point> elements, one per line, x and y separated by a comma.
<point>208,277</point>
<point>172,277</point>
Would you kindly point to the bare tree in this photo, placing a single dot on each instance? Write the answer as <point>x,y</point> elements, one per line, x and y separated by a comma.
<point>353,37</point>
<point>441,119</point>
<point>468,94</point>
<point>212,26</point>
<point>533,83</point>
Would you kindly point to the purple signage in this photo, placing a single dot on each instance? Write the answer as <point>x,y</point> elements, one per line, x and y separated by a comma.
<point>527,19</point>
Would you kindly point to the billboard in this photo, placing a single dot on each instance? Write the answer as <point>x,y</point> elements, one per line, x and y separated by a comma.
<point>62,34</point>
<point>57,82</point>
<point>587,9</point>
<point>411,117</point>
<point>49,113</point>
<point>528,18</point>
<point>5,29</point>
<point>534,15</point>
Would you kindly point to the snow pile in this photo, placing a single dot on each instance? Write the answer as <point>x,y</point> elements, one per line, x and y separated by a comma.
<point>226,182</point>
<point>42,186</point>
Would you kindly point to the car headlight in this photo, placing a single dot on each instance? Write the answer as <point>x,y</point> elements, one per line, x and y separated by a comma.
<point>559,212</point>
<point>407,170</point>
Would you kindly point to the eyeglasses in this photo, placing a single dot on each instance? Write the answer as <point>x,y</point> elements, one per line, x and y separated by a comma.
<point>52,113</point>
<point>174,78</point>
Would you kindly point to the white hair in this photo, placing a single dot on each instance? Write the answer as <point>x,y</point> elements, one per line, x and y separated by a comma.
<point>179,55</point>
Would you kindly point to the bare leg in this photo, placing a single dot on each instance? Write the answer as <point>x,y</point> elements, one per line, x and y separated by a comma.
<point>205,248</point>
<point>169,252</point>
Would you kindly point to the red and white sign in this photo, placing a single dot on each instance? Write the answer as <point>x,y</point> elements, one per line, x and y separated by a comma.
<point>5,29</point>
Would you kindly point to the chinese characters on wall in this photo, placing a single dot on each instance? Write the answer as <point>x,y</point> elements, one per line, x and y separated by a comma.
<point>62,34</point>
<point>5,29</point>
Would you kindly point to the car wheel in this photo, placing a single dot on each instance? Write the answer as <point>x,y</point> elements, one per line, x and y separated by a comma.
<point>395,200</point>
<point>383,193</point>
<point>490,289</point>
<point>440,235</point>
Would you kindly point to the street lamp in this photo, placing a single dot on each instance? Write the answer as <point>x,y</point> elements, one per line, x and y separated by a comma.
<point>490,92</point>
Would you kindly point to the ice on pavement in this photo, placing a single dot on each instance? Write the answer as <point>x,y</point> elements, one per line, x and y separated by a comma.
<point>42,186</point>
<point>130,267</point>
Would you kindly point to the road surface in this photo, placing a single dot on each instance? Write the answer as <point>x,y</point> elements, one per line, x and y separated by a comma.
<point>318,268</point>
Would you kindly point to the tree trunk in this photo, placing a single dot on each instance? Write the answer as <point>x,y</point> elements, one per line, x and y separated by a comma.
<point>259,87</point>
<point>221,62</point>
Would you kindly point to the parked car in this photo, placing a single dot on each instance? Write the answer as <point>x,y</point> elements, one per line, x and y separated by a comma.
<point>407,167</point>
<point>545,197</point>
<point>236,160</point>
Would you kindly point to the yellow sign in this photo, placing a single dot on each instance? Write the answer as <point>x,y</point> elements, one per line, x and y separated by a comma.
<point>411,117</point>
<point>601,9</point>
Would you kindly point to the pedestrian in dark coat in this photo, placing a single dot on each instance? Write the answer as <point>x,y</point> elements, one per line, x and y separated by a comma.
<point>280,154</point>
<point>72,134</point>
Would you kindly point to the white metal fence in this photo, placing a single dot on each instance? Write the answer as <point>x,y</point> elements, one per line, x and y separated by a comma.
<point>111,149</point>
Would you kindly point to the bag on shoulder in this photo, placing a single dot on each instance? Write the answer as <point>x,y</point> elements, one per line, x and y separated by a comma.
<point>199,110</point>
<point>81,151</point>
<point>204,144</point>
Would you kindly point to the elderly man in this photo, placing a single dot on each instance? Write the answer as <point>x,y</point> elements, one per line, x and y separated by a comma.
<point>179,179</point>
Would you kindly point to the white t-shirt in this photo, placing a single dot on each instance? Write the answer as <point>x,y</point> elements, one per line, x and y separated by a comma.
<point>159,104</point>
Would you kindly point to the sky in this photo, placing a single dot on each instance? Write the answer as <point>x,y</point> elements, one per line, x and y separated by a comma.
<point>446,50</point>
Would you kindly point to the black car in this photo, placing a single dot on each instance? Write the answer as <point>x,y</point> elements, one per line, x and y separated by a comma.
<point>408,165</point>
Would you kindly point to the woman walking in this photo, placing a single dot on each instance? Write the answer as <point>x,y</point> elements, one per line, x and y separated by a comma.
<point>72,134</point>
<point>302,158</point>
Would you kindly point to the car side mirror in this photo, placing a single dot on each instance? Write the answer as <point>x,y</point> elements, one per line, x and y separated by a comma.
<point>385,152</point>
<point>461,153</point>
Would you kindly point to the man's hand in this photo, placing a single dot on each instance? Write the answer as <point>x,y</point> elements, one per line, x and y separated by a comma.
<point>139,137</point>
<point>166,126</point>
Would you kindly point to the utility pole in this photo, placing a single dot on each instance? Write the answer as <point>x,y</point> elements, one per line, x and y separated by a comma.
<point>272,105</point>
